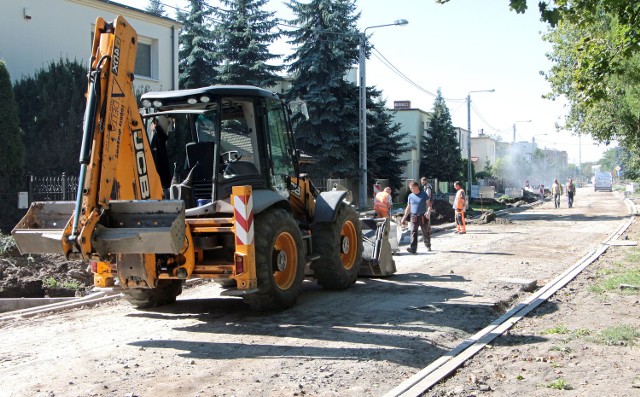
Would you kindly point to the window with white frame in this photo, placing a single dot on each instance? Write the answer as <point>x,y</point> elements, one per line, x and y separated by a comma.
<point>144,60</point>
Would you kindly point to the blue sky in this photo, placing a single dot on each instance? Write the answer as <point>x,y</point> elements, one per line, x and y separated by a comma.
<point>458,47</point>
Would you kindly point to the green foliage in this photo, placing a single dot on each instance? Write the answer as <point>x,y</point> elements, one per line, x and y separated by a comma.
<point>7,243</point>
<point>197,53</point>
<point>618,335</point>
<point>50,109</point>
<point>326,46</point>
<point>244,34</point>
<point>52,282</point>
<point>384,143</point>
<point>156,8</point>
<point>559,384</point>
<point>11,149</point>
<point>441,157</point>
<point>558,329</point>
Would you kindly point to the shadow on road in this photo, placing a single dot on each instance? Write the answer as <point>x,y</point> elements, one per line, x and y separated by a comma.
<point>379,319</point>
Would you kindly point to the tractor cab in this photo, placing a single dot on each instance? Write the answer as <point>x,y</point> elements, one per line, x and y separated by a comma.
<point>221,136</point>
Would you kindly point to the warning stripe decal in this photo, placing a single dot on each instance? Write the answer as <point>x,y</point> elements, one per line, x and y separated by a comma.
<point>243,208</point>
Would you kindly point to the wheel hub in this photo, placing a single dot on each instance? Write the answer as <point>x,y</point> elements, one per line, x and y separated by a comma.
<point>281,261</point>
<point>344,244</point>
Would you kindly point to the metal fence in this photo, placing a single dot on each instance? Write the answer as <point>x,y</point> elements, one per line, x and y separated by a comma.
<point>52,188</point>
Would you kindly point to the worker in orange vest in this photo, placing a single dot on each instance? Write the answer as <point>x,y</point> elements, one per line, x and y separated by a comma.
<point>459,205</point>
<point>382,203</point>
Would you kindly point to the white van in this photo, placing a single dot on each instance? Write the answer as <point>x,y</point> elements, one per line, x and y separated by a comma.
<point>603,181</point>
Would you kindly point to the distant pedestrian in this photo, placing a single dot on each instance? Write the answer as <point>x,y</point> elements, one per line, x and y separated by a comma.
<point>382,203</point>
<point>556,192</point>
<point>419,209</point>
<point>459,206</point>
<point>571,191</point>
<point>426,186</point>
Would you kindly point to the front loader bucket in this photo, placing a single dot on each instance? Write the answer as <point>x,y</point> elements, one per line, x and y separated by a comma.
<point>376,257</point>
<point>40,230</point>
<point>141,227</point>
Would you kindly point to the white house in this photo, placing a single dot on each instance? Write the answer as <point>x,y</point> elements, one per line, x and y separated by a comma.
<point>36,32</point>
<point>414,123</point>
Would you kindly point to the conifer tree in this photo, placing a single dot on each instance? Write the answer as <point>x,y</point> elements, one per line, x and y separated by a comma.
<point>243,35</point>
<point>440,149</point>
<point>197,55</point>
<point>156,8</point>
<point>385,143</point>
<point>326,46</point>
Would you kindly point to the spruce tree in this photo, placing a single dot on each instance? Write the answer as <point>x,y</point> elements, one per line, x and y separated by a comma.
<point>197,55</point>
<point>156,8</point>
<point>326,46</point>
<point>440,149</point>
<point>384,143</point>
<point>243,35</point>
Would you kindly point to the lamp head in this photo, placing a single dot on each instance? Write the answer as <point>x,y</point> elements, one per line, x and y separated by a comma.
<point>400,22</point>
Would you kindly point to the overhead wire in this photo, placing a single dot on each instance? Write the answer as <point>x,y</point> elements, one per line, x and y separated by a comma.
<point>375,52</point>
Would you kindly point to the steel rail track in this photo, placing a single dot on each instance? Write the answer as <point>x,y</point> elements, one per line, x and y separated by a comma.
<point>429,376</point>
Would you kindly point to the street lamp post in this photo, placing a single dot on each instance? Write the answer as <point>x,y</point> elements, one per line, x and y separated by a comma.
<point>362,113</point>
<point>514,127</point>
<point>469,138</point>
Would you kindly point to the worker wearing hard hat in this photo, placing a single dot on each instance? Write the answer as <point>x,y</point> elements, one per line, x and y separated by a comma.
<point>382,203</point>
<point>459,205</point>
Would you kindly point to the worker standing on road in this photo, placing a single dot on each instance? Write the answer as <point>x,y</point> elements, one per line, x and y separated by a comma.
<point>571,191</point>
<point>426,186</point>
<point>459,206</point>
<point>556,192</point>
<point>382,203</point>
<point>419,207</point>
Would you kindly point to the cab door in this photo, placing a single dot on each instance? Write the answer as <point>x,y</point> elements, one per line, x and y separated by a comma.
<point>280,147</point>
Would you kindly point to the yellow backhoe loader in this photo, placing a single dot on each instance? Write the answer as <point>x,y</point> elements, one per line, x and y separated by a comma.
<point>243,216</point>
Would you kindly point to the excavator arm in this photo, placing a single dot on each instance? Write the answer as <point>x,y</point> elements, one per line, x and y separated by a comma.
<point>119,208</point>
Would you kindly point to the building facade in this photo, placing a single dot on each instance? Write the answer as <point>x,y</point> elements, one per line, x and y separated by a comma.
<point>483,148</point>
<point>42,32</point>
<point>414,123</point>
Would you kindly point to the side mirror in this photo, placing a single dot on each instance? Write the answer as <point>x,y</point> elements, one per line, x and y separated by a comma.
<point>299,106</point>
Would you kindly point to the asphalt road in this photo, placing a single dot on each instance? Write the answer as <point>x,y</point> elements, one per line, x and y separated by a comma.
<point>360,342</point>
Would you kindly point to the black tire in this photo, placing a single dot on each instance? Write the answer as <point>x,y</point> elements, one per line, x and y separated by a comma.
<point>340,257</point>
<point>164,294</point>
<point>278,240</point>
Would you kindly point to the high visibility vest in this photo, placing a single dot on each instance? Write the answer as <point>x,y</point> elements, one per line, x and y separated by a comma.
<point>459,203</point>
<point>381,204</point>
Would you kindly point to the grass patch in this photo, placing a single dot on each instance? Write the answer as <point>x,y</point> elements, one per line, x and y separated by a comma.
<point>619,335</point>
<point>51,282</point>
<point>559,384</point>
<point>613,280</point>
<point>561,349</point>
<point>625,271</point>
<point>558,330</point>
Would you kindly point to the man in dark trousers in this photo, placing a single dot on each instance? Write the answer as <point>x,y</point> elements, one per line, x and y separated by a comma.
<point>418,207</point>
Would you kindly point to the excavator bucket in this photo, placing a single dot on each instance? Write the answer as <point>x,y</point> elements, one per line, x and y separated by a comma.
<point>40,230</point>
<point>376,257</point>
<point>126,227</point>
<point>141,227</point>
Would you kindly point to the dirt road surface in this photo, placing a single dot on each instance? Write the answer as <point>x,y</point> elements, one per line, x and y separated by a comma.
<point>359,342</point>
